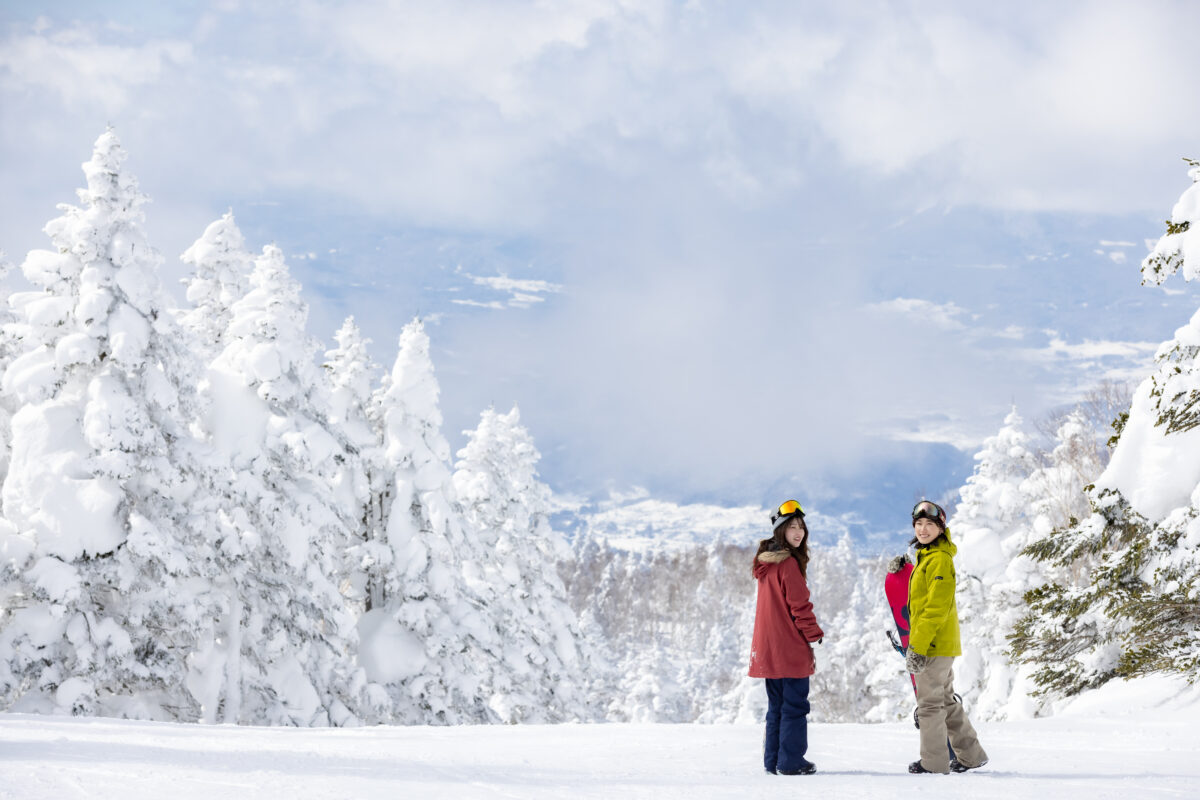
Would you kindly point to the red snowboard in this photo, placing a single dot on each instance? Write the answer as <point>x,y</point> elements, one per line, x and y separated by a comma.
<point>895,586</point>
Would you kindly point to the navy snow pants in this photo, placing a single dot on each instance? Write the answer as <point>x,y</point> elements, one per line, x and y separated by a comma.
<point>786,740</point>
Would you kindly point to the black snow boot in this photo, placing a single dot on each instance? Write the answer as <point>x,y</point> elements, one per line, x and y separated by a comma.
<point>958,766</point>
<point>806,768</point>
<point>917,769</point>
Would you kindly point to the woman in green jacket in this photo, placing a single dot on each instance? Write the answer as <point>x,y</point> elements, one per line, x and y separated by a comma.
<point>933,644</point>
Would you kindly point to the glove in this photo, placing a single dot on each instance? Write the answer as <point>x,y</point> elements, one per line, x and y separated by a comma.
<point>914,662</point>
<point>897,563</point>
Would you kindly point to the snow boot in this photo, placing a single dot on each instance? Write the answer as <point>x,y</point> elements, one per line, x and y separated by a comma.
<point>958,766</point>
<point>917,769</point>
<point>806,768</point>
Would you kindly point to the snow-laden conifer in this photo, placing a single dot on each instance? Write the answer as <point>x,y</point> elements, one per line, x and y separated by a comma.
<point>1055,490</point>
<point>590,581</point>
<point>1050,497</point>
<point>106,496</point>
<point>991,525</point>
<point>289,655</point>
<point>541,676</point>
<point>220,277</point>
<point>360,482</point>
<point>1135,606</point>
<point>993,505</point>
<point>430,642</point>
<point>9,345</point>
<point>1179,249</point>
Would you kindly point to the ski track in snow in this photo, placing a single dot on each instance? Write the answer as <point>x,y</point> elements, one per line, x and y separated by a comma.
<point>1092,757</point>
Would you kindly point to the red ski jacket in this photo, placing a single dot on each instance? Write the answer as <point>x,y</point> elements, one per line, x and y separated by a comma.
<point>784,623</point>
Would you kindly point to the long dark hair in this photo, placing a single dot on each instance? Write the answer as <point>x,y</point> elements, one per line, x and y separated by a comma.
<point>779,542</point>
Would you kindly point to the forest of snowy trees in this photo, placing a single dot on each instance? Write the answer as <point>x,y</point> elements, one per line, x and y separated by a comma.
<point>207,518</point>
<point>203,520</point>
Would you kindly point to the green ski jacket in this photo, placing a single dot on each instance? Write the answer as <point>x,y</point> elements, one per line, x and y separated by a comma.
<point>933,612</point>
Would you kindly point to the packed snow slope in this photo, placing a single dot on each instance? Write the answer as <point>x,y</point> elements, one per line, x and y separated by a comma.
<point>1137,739</point>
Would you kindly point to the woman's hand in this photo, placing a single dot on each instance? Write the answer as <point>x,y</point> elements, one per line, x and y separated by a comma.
<point>915,663</point>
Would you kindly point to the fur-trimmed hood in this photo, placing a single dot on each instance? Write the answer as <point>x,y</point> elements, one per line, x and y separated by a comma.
<point>768,558</point>
<point>774,556</point>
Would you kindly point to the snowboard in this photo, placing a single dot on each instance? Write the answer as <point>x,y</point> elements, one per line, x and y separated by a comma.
<point>895,588</point>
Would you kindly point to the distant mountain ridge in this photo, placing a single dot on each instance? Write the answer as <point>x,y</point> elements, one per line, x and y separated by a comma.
<point>641,523</point>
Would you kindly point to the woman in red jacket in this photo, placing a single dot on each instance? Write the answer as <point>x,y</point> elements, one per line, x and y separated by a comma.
<point>784,629</point>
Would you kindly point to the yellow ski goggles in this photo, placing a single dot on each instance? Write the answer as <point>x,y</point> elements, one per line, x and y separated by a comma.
<point>790,507</point>
<point>785,512</point>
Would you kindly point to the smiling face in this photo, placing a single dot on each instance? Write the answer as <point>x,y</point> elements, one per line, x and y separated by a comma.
<point>794,531</point>
<point>926,530</point>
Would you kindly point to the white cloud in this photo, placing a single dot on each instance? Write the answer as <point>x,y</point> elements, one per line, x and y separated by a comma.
<point>692,165</point>
<point>494,304</point>
<point>1011,332</point>
<point>82,70</point>
<point>503,283</point>
<point>523,300</point>
<point>944,315</point>
<point>1039,378</point>
<point>966,434</point>
<point>522,292</point>
<point>481,114</point>
<point>1089,351</point>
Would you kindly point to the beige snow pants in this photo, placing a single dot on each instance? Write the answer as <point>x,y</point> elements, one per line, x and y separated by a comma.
<point>941,716</point>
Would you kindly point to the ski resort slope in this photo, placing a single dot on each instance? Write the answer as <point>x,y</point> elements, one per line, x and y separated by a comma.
<point>1135,740</point>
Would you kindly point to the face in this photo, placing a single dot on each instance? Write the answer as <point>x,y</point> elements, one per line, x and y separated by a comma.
<point>926,530</point>
<point>794,532</point>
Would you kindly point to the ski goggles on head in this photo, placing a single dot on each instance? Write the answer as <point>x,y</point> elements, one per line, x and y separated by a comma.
<point>790,507</point>
<point>785,512</point>
<point>923,510</point>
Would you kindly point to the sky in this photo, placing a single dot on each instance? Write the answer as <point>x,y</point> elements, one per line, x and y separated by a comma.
<point>722,252</point>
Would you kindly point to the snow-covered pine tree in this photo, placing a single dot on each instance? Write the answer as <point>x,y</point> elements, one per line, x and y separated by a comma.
<point>361,479</point>
<point>1056,489</point>
<point>430,642</point>
<point>220,277</point>
<point>108,557</point>
<point>1138,609</point>
<point>289,654</point>
<point>991,525</point>
<point>1055,498</point>
<point>711,676</point>
<point>589,579</point>
<point>541,677</point>
<point>993,505</point>
<point>9,345</point>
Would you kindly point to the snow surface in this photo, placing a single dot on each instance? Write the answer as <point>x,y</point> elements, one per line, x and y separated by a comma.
<point>1139,737</point>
